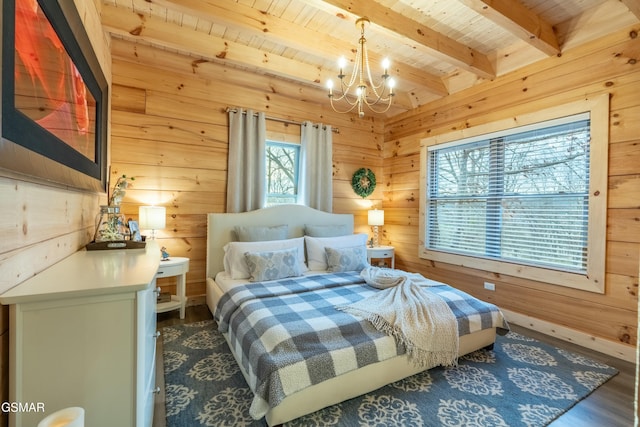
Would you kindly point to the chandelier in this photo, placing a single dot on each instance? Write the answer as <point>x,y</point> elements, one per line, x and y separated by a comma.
<point>361,90</point>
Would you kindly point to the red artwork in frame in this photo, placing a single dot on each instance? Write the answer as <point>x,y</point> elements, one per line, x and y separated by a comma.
<point>53,97</point>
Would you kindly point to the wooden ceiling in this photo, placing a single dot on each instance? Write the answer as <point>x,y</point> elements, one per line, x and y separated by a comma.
<point>437,47</point>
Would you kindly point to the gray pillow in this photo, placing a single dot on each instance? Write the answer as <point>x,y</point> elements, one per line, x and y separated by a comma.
<point>326,230</point>
<point>273,265</point>
<point>261,233</point>
<point>352,258</point>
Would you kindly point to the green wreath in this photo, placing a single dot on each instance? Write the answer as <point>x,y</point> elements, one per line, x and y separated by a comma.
<point>363,182</point>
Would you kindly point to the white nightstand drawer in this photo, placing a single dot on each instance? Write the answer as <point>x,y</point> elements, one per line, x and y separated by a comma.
<point>381,254</point>
<point>170,270</point>
<point>175,266</point>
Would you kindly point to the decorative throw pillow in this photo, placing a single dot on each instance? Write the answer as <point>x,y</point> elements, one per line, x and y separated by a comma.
<point>273,265</point>
<point>346,259</point>
<point>261,233</point>
<point>316,256</point>
<point>235,262</point>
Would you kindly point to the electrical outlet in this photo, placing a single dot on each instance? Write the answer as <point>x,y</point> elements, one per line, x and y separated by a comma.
<point>490,286</point>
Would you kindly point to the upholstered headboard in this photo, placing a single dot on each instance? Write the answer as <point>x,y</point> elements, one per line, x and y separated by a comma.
<point>220,226</point>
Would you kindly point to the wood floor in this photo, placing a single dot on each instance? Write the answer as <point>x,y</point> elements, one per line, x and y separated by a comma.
<point>611,405</point>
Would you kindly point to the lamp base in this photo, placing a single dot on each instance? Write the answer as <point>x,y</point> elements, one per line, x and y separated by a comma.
<point>375,236</point>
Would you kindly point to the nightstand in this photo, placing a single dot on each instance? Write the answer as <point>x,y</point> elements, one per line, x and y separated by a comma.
<point>174,267</point>
<point>381,253</point>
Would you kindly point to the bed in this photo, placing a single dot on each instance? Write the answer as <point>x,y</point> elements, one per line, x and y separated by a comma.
<point>347,384</point>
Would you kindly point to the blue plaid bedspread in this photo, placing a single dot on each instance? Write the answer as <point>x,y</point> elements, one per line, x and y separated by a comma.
<point>290,336</point>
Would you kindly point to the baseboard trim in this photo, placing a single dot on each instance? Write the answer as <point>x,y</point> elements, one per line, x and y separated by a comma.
<point>611,348</point>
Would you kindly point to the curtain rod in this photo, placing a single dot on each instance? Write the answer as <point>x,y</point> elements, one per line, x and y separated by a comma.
<point>277,119</point>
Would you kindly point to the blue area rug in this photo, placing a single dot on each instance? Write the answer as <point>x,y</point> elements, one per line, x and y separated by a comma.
<point>521,382</point>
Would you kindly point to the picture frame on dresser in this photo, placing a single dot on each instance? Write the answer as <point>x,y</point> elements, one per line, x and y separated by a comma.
<point>54,96</point>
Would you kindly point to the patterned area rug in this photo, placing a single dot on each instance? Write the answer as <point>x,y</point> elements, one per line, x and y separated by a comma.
<point>521,382</point>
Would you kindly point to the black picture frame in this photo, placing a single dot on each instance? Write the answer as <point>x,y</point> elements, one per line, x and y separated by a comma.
<point>26,147</point>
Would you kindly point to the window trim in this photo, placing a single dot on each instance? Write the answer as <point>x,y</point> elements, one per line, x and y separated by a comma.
<point>594,279</point>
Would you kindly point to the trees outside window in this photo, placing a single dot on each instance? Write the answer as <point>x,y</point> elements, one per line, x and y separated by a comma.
<point>524,196</point>
<point>520,197</point>
<point>282,172</point>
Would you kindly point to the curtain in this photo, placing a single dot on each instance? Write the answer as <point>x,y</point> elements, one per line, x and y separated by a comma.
<point>315,183</point>
<point>246,169</point>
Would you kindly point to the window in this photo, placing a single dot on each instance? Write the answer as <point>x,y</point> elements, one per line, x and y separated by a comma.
<point>518,200</point>
<point>520,197</point>
<point>282,172</point>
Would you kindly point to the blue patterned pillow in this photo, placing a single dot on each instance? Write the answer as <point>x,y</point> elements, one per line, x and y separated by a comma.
<point>352,258</point>
<point>273,265</point>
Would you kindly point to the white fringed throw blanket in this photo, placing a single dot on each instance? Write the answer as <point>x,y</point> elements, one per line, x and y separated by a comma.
<point>414,316</point>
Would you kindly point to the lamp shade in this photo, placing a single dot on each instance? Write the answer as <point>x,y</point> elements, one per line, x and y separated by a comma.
<point>68,417</point>
<point>376,217</point>
<point>152,217</point>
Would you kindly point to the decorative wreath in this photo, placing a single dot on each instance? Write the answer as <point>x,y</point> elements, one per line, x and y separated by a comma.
<point>363,182</point>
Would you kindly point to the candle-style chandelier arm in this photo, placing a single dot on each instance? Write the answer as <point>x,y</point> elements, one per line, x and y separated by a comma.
<point>383,84</point>
<point>352,105</point>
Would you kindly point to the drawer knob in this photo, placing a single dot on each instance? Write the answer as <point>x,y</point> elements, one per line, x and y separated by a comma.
<point>156,390</point>
<point>157,334</point>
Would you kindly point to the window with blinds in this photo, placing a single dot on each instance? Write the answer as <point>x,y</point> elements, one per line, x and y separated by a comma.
<point>519,195</point>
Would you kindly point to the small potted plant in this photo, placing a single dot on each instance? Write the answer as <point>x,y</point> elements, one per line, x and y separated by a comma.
<point>111,230</point>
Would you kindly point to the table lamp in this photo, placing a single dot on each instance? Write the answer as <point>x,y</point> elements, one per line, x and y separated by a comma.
<point>376,218</point>
<point>152,218</point>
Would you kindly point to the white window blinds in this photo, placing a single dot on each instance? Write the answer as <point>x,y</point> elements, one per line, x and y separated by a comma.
<point>519,195</point>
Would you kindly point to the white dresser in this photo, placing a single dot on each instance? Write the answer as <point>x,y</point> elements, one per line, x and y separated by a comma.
<point>83,333</point>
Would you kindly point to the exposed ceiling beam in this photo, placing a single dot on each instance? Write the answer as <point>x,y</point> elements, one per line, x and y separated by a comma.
<point>150,29</point>
<point>440,46</point>
<point>519,21</point>
<point>634,6</point>
<point>276,29</point>
<point>144,28</point>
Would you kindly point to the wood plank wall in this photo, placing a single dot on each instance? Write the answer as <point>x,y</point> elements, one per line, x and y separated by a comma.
<point>608,65</point>
<point>41,223</point>
<point>169,131</point>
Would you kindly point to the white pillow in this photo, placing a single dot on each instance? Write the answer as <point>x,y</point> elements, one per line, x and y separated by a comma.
<point>235,262</point>
<point>316,256</point>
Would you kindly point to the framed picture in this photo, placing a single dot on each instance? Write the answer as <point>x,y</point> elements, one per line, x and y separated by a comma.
<point>54,96</point>
<point>134,229</point>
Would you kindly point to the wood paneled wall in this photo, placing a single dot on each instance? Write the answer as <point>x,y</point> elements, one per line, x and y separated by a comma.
<point>41,223</point>
<point>608,65</point>
<point>169,131</point>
